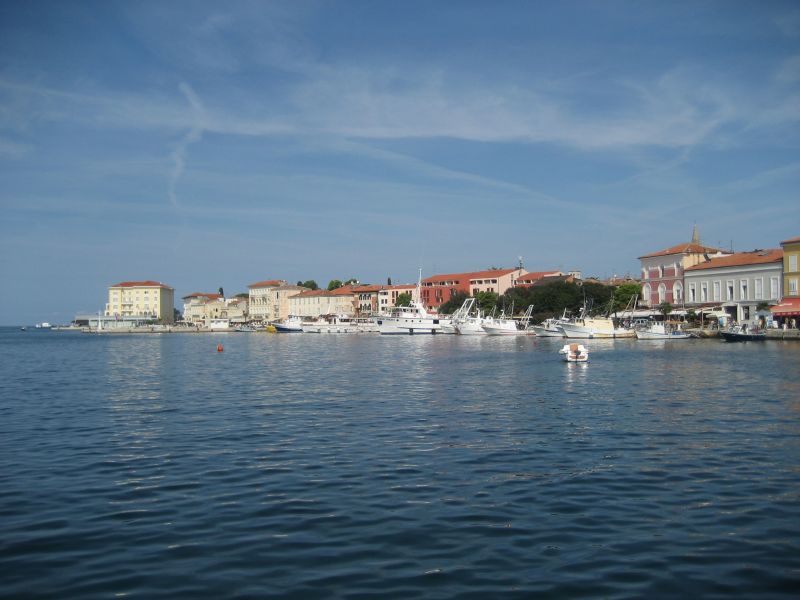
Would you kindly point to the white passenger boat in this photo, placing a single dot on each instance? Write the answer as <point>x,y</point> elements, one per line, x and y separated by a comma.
<point>657,331</point>
<point>340,324</point>
<point>413,319</point>
<point>574,353</point>
<point>596,328</point>
<point>551,327</point>
<point>291,324</point>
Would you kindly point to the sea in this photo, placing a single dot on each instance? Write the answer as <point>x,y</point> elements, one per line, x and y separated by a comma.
<point>366,466</point>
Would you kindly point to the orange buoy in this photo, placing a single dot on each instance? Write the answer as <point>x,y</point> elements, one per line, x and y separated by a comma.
<point>219,348</point>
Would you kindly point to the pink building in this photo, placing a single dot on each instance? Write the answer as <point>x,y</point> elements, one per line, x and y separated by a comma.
<point>662,271</point>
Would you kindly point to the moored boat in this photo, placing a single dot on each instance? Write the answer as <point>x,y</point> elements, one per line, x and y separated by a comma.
<point>292,324</point>
<point>657,331</point>
<point>741,333</point>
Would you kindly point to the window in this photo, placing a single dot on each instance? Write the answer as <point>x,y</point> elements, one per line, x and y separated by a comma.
<point>692,293</point>
<point>717,291</point>
<point>644,273</point>
<point>793,287</point>
<point>704,291</point>
<point>662,293</point>
<point>773,288</point>
<point>729,291</point>
<point>792,263</point>
<point>743,289</point>
<point>677,292</point>
<point>646,293</point>
<point>759,288</point>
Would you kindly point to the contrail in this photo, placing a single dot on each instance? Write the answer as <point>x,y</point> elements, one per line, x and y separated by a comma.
<point>195,134</point>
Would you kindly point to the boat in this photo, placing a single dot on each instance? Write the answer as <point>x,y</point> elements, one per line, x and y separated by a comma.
<point>574,353</point>
<point>23,329</point>
<point>657,331</point>
<point>743,333</point>
<point>340,324</point>
<point>509,326</point>
<point>586,327</point>
<point>465,322</point>
<point>413,319</point>
<point>245,329</point>
<point>291,324</point>
<point>551,327</point>
<point>44,325</point>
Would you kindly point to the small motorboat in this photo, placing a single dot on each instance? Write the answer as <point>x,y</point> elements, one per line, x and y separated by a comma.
<point>574,353</point>
<point>741,333</point>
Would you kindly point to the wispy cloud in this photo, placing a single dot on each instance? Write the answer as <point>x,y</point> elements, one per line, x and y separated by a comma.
<point>194,135</point>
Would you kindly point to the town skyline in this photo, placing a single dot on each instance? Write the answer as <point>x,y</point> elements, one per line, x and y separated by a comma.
<point>211,147</point>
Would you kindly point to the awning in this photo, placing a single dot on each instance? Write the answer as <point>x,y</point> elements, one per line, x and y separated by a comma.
<point>788,307</point>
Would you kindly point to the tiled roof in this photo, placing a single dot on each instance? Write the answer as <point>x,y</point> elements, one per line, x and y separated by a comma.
<point>535,276</point>
<point>740,259</point>
<point>791,240</point>
<point>686,248</point>
<point>202,295</point>
<point>146,283</point>
<point>468,276</point>
<point>267,283</point>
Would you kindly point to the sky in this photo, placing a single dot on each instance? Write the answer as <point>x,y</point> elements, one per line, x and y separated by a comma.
<point>216,144</point>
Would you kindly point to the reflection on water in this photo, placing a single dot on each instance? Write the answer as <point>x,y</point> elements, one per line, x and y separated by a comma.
<point>390,466</point>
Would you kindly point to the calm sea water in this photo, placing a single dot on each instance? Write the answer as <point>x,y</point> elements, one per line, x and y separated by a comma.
<point>313,466</point>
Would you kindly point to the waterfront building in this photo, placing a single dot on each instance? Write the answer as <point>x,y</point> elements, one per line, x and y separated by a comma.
<point>788,309</point>
<point>438,289</point>
<point>663,271</point>
<point>148,299</point>
<point>195,307</point>
<point>388,294</point>
<point>268,300</point>
<point>316,303</point>
<point>737,282</point>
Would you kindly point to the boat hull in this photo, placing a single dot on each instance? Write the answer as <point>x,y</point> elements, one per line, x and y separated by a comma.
<point>583,332</point>
<point>730,336</point>
<point>648,335</point>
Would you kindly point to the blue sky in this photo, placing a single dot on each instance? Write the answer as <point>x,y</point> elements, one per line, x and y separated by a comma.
<point>218,144</point>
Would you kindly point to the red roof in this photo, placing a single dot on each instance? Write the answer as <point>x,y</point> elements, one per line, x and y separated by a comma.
<point>740,259</point>
<point>146,283</point>
<point>267,283</point>
<point>473,275</point>
<point>202,295</point>
<point>537,275</point>
<point>686,248</point>
<point>791,241</point>
<point>787,306</point>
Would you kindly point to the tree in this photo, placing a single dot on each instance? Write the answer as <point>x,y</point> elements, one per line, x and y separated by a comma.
<point>221,293</point>
<point>452,305</point>
<point>388,281</point>
<point>665,308</point>
<point>486,301</point>
<point>310,284</point>
<point>623,294</point>
<point>403,299</point>
<point>334,284</point>
<point>242,295</point>
<point>351,281</point>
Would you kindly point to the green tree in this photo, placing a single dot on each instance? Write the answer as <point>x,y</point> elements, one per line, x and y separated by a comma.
<point>623,294</point>
<point>665,308</point>
<point>403,299</point>
<point>334,284</point>
<point>453,304</point>
<point>351,281</point>
<point>486,301</point>
<point>310,284</point>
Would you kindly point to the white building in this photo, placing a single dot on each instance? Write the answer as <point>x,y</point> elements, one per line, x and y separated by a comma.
<point>315,303</point>
<point>738,282</point>
<point>262,305</point>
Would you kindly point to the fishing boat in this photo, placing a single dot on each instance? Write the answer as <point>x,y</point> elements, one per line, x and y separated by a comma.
<point>743,333</point>
<point>586,327</point>
<point>657,331</point>
<point>509,326</point>
<point>574,353</point>
<point>551,327</point>
<point>291,324</point>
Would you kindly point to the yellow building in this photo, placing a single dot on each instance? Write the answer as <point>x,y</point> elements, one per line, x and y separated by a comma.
<point>791,271</point>
<point>141,299</point>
